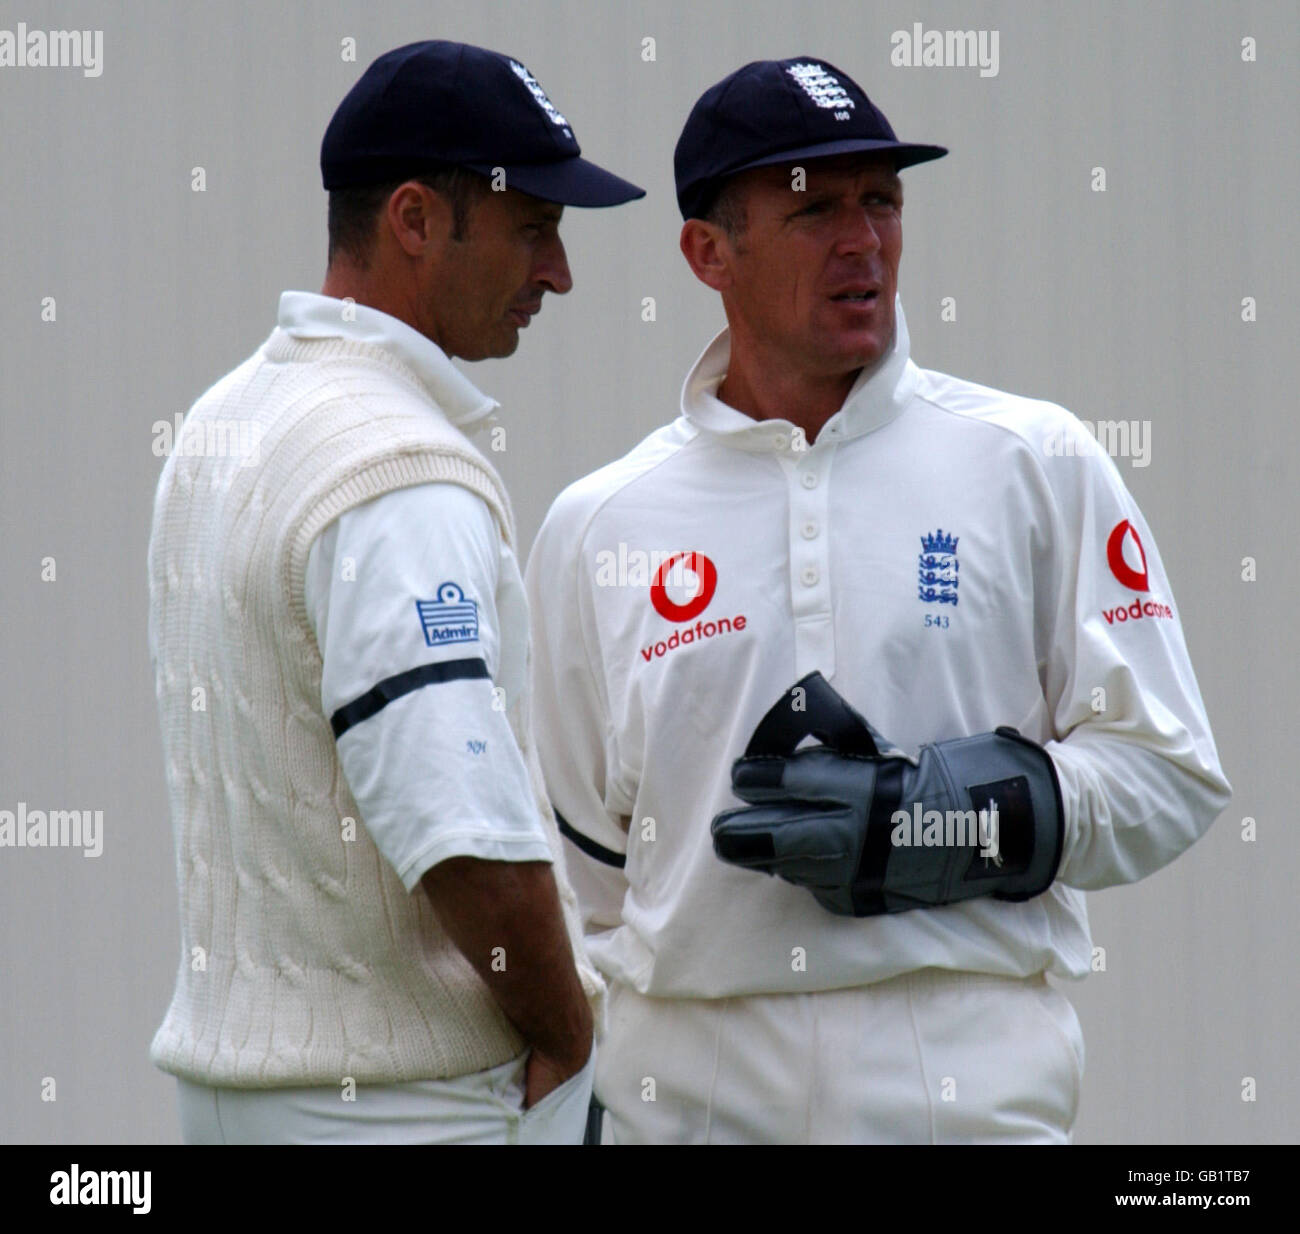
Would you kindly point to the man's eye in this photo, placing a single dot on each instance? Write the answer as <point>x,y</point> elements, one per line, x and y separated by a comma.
<point>816,207</point>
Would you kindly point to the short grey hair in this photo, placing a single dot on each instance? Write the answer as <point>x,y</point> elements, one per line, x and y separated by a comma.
<point>727,209</point>
<point>354,212</point>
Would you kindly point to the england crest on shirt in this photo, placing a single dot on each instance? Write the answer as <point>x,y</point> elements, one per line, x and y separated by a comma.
<point>937,569</point>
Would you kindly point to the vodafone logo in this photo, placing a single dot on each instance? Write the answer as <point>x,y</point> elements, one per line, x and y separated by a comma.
<point>706,574</point>
<point>1123,533</point>
<point>675,572</point>
<point>1124,552</point>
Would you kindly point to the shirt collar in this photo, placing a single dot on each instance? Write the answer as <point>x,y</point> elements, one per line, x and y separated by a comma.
<point>305,315</point>
<point>880,393</point>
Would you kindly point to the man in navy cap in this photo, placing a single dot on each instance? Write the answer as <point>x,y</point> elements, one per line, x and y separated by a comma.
<point>830,535</point>
<point>379,940</point>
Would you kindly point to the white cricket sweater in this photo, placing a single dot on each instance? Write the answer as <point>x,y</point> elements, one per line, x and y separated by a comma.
<point>303,957</point>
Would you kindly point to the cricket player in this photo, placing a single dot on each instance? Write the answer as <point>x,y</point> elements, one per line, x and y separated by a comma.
<point>946,588</point>
<point>379,943</point>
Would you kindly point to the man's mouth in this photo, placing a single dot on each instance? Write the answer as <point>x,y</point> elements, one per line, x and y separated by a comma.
<point>857,297</point>
<point>522,316</point>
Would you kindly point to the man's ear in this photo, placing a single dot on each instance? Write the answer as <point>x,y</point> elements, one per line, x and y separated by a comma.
<point>708,253</point>
<point>419,218</point>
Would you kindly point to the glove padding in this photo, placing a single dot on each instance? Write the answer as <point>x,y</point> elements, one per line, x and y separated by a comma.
<point>827,817</point>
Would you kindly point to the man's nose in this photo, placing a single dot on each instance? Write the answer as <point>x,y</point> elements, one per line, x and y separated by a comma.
<point>859,234</point>
<point>552,268</point>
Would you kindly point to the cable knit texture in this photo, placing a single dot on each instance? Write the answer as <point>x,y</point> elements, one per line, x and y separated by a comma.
<point>303,959</point>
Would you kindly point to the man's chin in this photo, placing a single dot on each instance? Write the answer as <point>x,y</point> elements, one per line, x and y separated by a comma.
<point>507,342</point>
<point>851,359</point>
<point>498,348</point>
<point>865,350</point>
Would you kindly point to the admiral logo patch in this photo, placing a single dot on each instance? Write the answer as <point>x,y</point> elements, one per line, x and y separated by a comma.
<point>450,618</point>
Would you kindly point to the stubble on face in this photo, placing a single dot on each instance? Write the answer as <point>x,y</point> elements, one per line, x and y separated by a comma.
<point>815,272</point>
<point>487,284</point>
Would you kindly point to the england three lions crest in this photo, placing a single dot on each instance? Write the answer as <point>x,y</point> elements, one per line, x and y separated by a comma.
<point>937,569</point>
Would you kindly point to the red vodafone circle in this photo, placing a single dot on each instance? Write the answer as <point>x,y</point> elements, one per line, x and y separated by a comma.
<point>1120,568</point>
<point>705,571</point>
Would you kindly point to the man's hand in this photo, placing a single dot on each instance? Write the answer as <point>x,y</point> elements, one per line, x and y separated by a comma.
<point>514,906</point>
<point>868,832</point>
<point>544,1075</point>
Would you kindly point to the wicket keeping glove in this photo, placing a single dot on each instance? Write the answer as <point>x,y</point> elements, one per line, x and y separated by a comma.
<point>869,830</point>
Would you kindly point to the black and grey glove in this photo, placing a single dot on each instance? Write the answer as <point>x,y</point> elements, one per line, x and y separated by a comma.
<point>869,830</point>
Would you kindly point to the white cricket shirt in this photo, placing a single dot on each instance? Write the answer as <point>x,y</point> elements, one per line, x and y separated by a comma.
<point>422,623</point>
<point>952,558</point>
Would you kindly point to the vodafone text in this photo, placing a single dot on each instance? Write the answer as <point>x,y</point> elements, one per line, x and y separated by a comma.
<point>1139,608</point>
<point>700,630</point>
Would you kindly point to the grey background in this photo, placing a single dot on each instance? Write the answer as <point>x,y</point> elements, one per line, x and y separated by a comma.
<point>1123,304</point>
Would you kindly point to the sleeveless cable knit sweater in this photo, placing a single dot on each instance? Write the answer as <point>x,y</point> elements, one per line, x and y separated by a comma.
<point>303,958</point>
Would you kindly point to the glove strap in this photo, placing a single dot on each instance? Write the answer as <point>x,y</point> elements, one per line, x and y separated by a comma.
<point>821,713</point>
<point>869,893</point>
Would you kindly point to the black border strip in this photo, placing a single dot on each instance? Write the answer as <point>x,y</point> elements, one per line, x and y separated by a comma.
<point>375,700</point>
<point>589,846</point>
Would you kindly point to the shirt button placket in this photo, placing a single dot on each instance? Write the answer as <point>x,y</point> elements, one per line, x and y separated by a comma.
<point>808,473</point>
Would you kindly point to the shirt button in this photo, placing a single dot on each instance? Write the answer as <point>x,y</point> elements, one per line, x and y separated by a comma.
<point>809,479</point>
<point>780,441</point>
<point>810,576</point>
<point>809,531</point>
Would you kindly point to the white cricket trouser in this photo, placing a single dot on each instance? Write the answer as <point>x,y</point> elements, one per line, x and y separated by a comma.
<point>929,1057</point>
<point>485,1107</point>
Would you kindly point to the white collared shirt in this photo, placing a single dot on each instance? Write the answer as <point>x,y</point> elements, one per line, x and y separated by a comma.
<point>306,315</point>
<point>945,560</point>
<point>421,577</point>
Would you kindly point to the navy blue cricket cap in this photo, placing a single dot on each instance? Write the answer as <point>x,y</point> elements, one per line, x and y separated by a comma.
<point>437,103</point>
<point>778,111</point>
